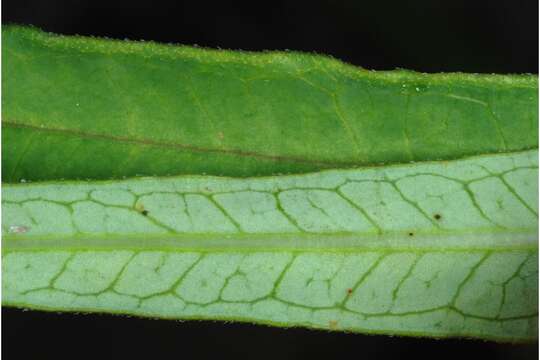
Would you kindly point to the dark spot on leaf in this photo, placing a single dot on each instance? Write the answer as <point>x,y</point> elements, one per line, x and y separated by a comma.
<point>437,216</point>
<point>411,234</point>
<point>144,212</point>
<point>349,291</point>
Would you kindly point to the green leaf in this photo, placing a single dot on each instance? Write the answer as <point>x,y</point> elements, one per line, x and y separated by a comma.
<point>113,109</point>
<point>425,249</point>
<point>427,224</point>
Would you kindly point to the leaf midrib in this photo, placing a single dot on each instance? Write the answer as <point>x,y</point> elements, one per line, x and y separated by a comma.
<point>177,146</point>
<point>233,152</point>
<point>482,239</point>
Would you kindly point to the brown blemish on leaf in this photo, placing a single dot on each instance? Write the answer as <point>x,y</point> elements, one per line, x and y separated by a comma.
<point>437,216</point>
<point>333,324</point>
<point>140,208</point>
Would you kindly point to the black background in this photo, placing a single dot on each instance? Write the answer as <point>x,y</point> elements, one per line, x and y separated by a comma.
<point>428,36</point>
<point>423,35</point>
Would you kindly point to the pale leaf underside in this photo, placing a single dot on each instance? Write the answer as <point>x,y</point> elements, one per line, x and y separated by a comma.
<point>432,249</point>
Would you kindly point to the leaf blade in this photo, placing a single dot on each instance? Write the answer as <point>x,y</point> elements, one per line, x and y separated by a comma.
<point>289,303</point>
<point>440,248</point>
<point>163,110</point>
<point>323,265</point>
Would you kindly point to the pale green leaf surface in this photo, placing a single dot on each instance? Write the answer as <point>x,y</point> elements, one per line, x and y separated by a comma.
<point>431,249</point>
<point>427,225</point>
